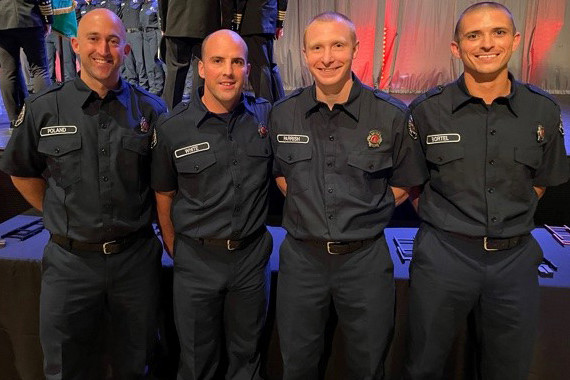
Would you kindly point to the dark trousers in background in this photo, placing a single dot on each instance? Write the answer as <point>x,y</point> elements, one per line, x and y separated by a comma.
<point>134,70</point>
<point>154,71</point>
<point>220,300</point>
<point>360,285</point>
<point>450,276</point>
<point>181,52</point>
<point>12,83</point>
<point>264,76</point>
<point>69,67</point>
<point>80,290</point>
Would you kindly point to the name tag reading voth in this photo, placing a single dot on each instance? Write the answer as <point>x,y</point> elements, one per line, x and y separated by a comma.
<point>443,138</point>
<point>191,149</point>
<point>58,130</point>
<point>293,139</point>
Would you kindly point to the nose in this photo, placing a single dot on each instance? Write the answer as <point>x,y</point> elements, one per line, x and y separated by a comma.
<point>327,57</point>
<point>103,47</point>
<point>487,42</point>
<point>227,68</point>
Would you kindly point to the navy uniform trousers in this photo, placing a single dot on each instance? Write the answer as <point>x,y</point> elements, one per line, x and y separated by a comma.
<point>216,291</point>
<point>134,69</point>
<point>452,275</point>
<point>153,67</point>
<point>264,76</point>
<point>361,286</point>
<point>78,289</point>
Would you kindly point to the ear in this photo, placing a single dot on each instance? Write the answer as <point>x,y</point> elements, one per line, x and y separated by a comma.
<point>201,69</point>
<point>355,49</point>
<point>517,41</point>
<point>75,45</point>
<point>248,69</point>
<point>127,49</point>
<point>455,49</point>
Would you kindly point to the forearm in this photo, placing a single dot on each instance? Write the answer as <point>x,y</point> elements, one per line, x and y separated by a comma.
<point>32,189</point>
<point>163,205</point>
<point>282,185</point>
<point>400,194</point>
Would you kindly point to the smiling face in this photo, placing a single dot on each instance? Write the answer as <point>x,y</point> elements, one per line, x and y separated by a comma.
<point>101,45</point>
<point>330,47</point>
<point>486,42</point>
<point>224,68</point>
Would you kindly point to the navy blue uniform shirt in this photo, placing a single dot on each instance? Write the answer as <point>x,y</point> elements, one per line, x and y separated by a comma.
<point>339,164</point>
<point>94,154</point>
<point>220,165</point>
<point>484,160</point>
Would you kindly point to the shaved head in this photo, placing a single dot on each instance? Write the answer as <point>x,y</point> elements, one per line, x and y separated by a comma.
<point>477,7</point>
<point>225,34</point>
<point>96,16</point>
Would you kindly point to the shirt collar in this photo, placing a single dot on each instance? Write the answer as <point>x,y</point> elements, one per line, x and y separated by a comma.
<point>202,112</point>
<point>86,94</point>
<point>460,95</point>
<point>351,106</point>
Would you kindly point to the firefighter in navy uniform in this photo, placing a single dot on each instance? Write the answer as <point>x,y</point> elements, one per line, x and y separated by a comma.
<point>492,146</point>
<point>150,27</point>
<point>81,153</point>
<point>134,69</point>
<point>211,170</point>
<point>344,159</point>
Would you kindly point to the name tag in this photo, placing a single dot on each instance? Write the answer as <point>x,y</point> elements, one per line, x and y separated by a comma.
<point>443,138</point>
<point>191,149</point>
<point>58,130</point>
<point>293,139</point>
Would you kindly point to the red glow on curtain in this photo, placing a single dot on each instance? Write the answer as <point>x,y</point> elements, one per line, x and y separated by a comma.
<point>363,64</point>
<point>388,42</point>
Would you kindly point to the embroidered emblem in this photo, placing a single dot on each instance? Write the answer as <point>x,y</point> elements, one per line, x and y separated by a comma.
<point>262,130</point>
<point>154,140</point>
<point>293,139</point>
<point>374,139</point>
<point>58,130</point>
<point>412,128</point>
<point>561,126</point>
<point>191,149</point>
<point>20,118</point>
<point>540,133</point>
<point>144,126</point>
<point>443,138</point>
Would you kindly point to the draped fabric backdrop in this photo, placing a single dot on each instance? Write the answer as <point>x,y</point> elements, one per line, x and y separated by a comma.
<point>404,44</point>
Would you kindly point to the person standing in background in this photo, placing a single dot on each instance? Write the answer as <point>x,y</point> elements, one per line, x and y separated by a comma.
<point>133,69</point>
<point>150,25</point>
<point>23,25</point>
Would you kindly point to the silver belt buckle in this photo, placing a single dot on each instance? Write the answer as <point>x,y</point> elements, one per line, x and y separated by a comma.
<point>329,247</point>
<point>105,245</point>
<point>229,245</point>
<point>485,246</point>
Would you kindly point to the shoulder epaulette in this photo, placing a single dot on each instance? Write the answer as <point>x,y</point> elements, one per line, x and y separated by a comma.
<point>390,99</point>
<point>293,94</point>
<point>175,111</point>
<point>150,95</point>
<point>540,91</point>
<point>260,100</point>
<point>426,95</point>
<point>52,88</point>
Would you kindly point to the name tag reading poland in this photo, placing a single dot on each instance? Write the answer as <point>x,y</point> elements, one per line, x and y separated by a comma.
<point>58,130</point>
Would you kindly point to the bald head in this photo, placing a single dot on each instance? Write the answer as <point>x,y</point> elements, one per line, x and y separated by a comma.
<point>331,17</point>
<point>101,15</point>
<point>225,35</point>
<point>478,7</point>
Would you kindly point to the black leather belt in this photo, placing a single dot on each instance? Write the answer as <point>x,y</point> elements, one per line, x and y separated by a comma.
<point>108,247</point>
<point>149,29</point>
<point>340,247</point>
<point>232,245</point>
<point>491,244</point>
<point>133,30</point>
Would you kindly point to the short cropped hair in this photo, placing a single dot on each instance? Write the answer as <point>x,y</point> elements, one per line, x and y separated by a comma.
<point>329,17</point>
<point>476,6</point>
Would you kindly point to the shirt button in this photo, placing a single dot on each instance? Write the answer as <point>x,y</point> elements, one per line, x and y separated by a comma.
<point>103,151</point>
<point>238,209</point>
<point>56,150</point>
<point>105,178</point>
<point>330,190</point>
<point>331,217</point>
<point>196,167</point>
<point>289,158</point>
<point>329,164</point>
<point>238,186</point>
<point>492,162</point>
<point>235,162</point>
<point>493,132</point>
<point>371,166</point>
<point>491,190</point>
<point>331,138</point>
<point>494,219</point>
<point>103,125</point>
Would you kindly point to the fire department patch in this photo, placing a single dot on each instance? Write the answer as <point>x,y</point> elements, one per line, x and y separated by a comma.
<point>540,133</point>
<point>374,138</point>
<point>20,118</point>
<point>262,130</point>
<point>412,128</point>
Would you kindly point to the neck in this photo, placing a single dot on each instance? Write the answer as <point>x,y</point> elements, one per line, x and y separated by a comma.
<point>336,94</point>
<point>219,107</point>
<point>488,87</point>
